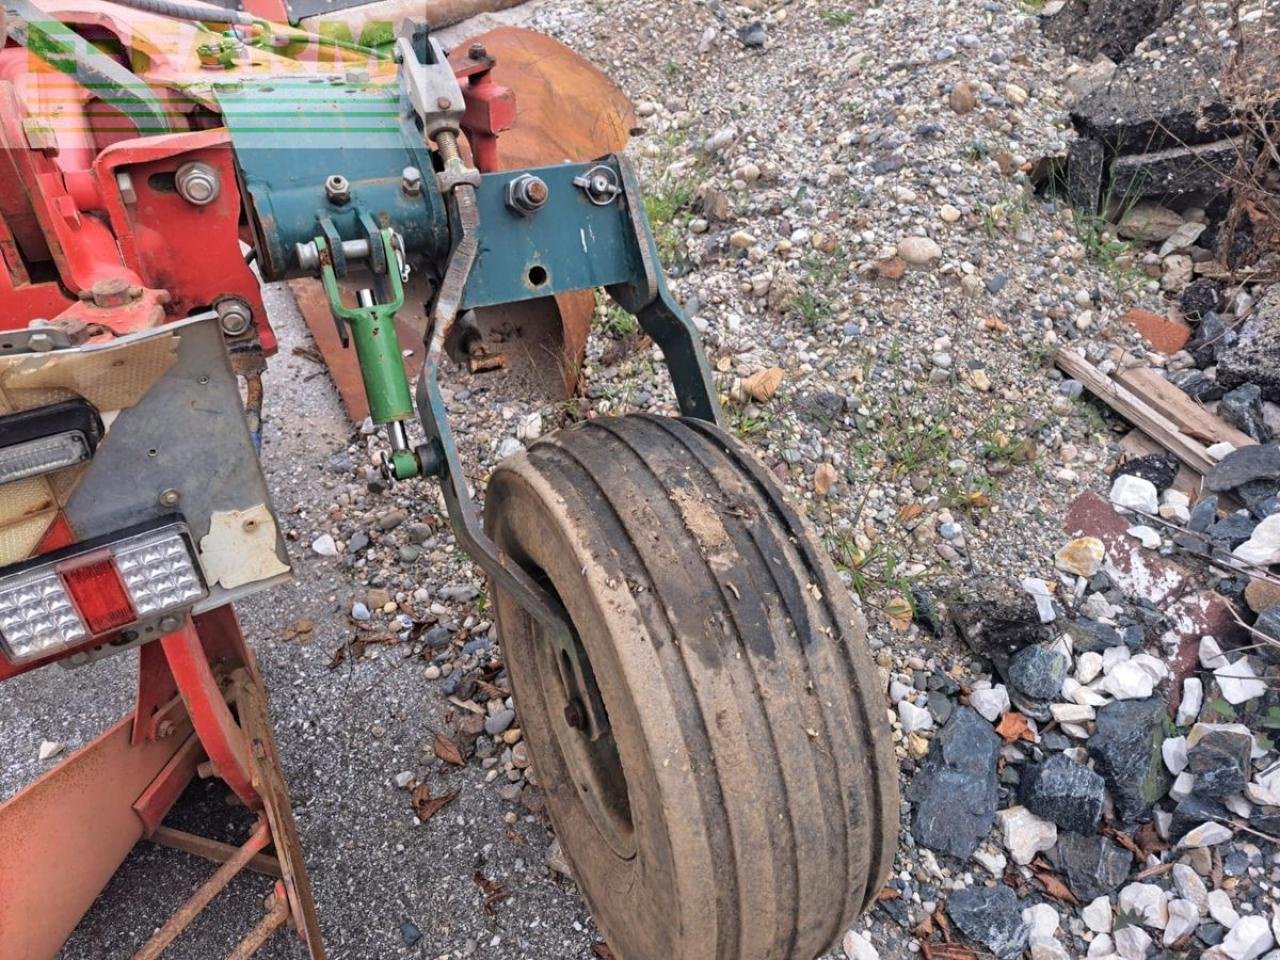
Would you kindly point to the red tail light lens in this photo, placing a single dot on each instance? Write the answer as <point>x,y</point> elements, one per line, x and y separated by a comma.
<point>98,592</point>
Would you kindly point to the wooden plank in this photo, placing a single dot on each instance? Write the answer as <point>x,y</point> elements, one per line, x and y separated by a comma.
<point>1135,410</point>
<point>1191,418</point>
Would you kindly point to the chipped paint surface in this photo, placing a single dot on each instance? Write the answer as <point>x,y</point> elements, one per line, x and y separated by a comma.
<point>240,547</point>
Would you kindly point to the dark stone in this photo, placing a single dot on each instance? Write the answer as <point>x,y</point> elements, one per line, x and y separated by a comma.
<point>991,916</point>
<point>1204,514</point>
<point>1175,170</point>
<point>1220,761</point>
<point>1093,865</point>
<point>1259,496</point>
<point>1254,462</point>
<point>997,283</point>
<point>410,934</point>
<point>1001,621</point>
<point>1126,749</point>
<point>1086,163</point>
<point>1242,408</point>
<point>1197,385</point>
<point>1233,529</point>
<point>954,794</point>
<point>1192,811</point>
<point>1211,934</point>
<point>1038,672</point>
<point>1213,338</point>
<point>752,35</point>
<point>1092,636</point>
<point>1255,356</point>
<point>1159,468</point>
<point>1201,296</point>
<point>357,541</point>
<point>1268,622</point>
<point>941,708</point>
<point>1066,792</point>
<point>1109,27</point>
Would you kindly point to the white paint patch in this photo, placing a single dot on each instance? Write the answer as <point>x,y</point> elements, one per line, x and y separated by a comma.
<point>583,234</point>
<point>240,547</point>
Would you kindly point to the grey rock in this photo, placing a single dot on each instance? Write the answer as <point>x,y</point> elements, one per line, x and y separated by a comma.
<point>1194,810</point>
<point>459,593</point>
<point>499,723</point>
<point>360,612</point>
<point>998,620</point>
<point>1086,161</point>
<point>340,463</point>
<point>1093,865</point>
<point>1197,385</point>
<point>410,934</point>
<point>954,794</point>
<point>1038,672</point>
<point>1204,514</point>
<point>1255,355</point>
<point>1254,462</point>
<point>391,519</point>
<point>1242,408</point>
<point>1127,750</point>
<point>1233,529</point>
<point>1066,792</point>
<point>1213,339</point>
<point>752,35</point>
<point>1220,762</point>
<point>991,916</point>
<point>357,541</point>
<point>418,533</point>
<point>1259,496</point>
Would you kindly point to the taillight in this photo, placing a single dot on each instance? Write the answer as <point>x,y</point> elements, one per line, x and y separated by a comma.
<point>56,601</point>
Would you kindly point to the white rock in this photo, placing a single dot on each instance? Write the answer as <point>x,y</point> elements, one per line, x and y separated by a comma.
<point>1024,834</point>
<point>1211,657</point>
<point>1191,887</point>
<point>992,703</point>
<point>1238,681</point>
<point>325,546</point>
<point>1184,917</point>
<point>1135,493</point>
<point>992,861</point>
<point>404,778</point>
<point>1260,795</point>
<point>914,718</point>
<point>1219,450</point>
<point>1103,947</point>
<point>1147,902</point>
<point>1113,655</point>
<point>1088,666</point>
<point>1263,547</point>
<point>1221,910</point>
<point>1072,712</point>
<point>1175,754</point>
<point>1132,943</point>
<point>918,251</point>
<point>1039,591</point>
<point>1149,536</point>
<point>858,947</point>
<point>1183,784</point>
<point>1248,939</point>
<point>1042,921</point>
<point>1128,681</point>
<point>509,447</point>
<point>1097,915</point>
<point>1154,666</point>
<point>50,749</point>
<point>899,691</point>
<point>1047,948</point>
<point>1238,805</point>
<point>1192,701</point>
<point>1207,835</point>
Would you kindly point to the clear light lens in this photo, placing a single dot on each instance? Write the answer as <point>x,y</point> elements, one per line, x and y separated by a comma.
<point>157,570</point>
<point>37,617</point>
<point>31,458</point>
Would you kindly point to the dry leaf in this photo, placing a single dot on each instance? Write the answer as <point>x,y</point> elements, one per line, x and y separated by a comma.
<point>996,324</point>
<point>1125,841</point>
<point>1013,726</point>
<point>602,951</point>
<point>946,951</point>
<point>494,892</point>
<point>899,612</point>
<point>823,478</point>
<point>1056,888</point>
<point>763,385</point>
<point>889,893</point>
<point>978,499</point>
<point>448,751</point>
<point>426,806</point>
<point>910,511</point>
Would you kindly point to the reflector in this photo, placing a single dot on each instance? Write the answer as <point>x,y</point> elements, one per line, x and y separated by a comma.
<point>96,589</point>
<point>37,617</point>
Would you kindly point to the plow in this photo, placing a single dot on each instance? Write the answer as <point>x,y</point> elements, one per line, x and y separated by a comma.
<point>691,674</point>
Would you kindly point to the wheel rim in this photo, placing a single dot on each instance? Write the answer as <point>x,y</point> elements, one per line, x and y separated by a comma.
<point>595,766</point>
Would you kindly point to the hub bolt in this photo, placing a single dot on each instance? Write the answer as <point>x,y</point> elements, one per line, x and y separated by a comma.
<point>411,181</point>
<point>478,51</point>
<point>198,183</point>
<point>112,292</point>
<point>234,316</point>
<point>526,194</point>
<point>338,189</point>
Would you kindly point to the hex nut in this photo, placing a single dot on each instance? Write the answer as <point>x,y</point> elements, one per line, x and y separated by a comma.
<point>197,183</point>
<point>411,181</point>
<point>526,194</point>
<point>338,189</point>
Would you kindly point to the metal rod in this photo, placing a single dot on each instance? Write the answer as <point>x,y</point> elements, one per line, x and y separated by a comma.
<point>183,916</point>
<point>214,850</point>
<point>266,928</point>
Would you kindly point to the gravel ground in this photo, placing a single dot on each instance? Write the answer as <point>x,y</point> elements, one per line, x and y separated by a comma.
<point>846,205</point>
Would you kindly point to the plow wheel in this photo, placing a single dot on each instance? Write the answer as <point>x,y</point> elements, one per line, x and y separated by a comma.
<point>712,740</point>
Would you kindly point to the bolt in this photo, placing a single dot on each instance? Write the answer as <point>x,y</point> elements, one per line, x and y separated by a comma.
<point>112,292</point>
<point>526,194</point>
<point>411,181</point>
<point>444,103</point>
<point>164,729</point>
<point>249,525</point>
<point>234,316</point>
<point>169,624</point>
<point>170,498</point>
<point>198,183</point>
<point>478,52</point>
<point>338,189</point>
<point>40,343</point>
<point>574,715</point>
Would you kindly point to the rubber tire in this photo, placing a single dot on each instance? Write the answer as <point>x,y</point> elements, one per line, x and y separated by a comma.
<point>749,718</point>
